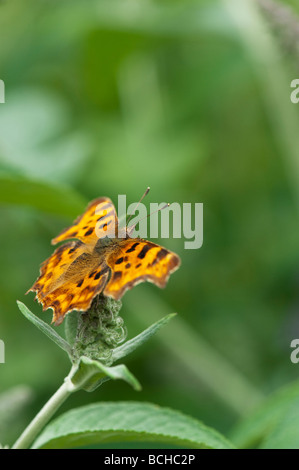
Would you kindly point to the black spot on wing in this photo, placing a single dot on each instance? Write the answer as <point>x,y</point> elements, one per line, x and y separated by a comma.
<point>100,273</point>
<point>143,252</point>
<point>160,255</point>
<point>89,232</point>
<point>117,275</point>
<point>133,247</point>
<point>105,225</point>
<point>119,261</point>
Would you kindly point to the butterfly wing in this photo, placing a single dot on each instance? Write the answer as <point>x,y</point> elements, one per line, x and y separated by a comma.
<point>98,220</point>
<point>139,260</point>
<point>70,297</point>
<point>78,270</point>
<point>53,268</point>
<point>70,279</point>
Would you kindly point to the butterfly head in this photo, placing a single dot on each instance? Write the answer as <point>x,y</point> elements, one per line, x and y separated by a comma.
<point>103,243</point>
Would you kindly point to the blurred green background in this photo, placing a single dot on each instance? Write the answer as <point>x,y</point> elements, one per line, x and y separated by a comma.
<point>191,98</point>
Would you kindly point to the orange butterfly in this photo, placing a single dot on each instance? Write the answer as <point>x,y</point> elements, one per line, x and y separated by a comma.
<point>98,262</point>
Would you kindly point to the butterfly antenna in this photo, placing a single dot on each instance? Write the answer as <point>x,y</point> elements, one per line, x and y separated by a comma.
<point>149,215</point>
<point>142,197</point>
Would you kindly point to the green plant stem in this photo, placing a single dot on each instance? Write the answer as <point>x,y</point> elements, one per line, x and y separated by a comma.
<point>45,414</point>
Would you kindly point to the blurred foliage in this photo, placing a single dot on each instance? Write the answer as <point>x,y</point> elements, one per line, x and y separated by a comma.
<point>110,96</point>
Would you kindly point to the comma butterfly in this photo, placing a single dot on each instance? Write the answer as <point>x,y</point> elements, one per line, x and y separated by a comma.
<point>97,262</point>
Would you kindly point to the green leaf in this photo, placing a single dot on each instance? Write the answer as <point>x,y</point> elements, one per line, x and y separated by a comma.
<point>90,374</point>
<point>131,345</point>
<point>54,199</point>
<point>45,328</point>
<point>128,421</point>
<point>286,432</point>
<point>70,327</point>
<point>252,431</point>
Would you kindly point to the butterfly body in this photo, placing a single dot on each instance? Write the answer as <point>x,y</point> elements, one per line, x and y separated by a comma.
<point>102,259</point>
